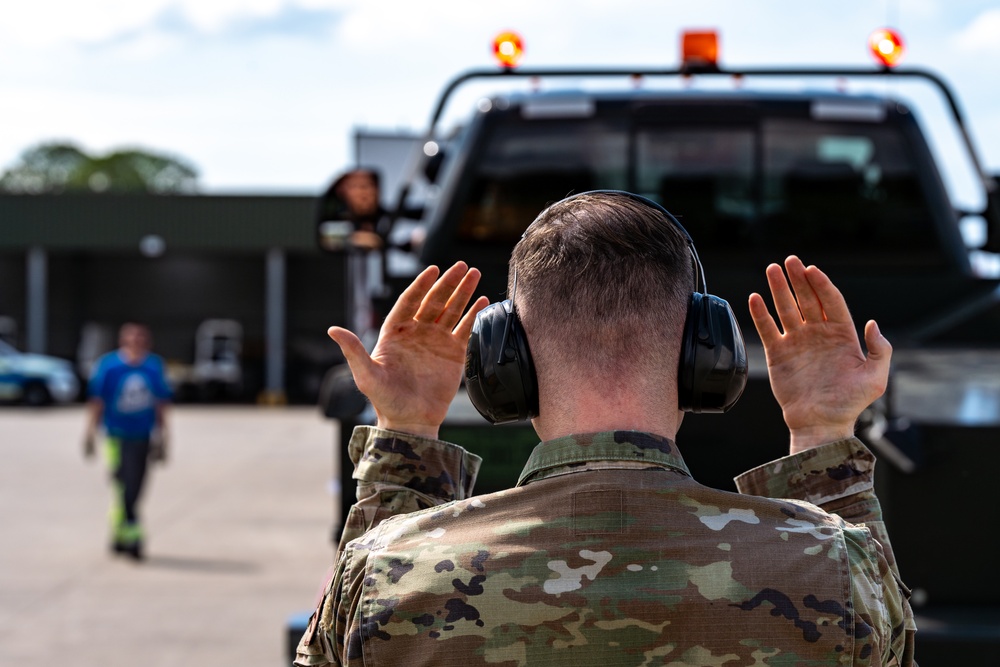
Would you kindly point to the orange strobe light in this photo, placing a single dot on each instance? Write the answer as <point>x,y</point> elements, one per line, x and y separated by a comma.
<point>700,48</point>
<point>508,49</point>
<point>887,46</point>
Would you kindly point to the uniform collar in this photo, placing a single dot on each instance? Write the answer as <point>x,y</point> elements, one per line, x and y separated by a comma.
<point>607,446</point>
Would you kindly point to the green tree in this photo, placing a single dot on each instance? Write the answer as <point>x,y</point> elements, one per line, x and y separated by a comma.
<point>56,167</point>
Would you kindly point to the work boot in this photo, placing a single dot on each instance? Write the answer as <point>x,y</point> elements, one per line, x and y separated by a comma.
<point>128,541</point>
<point>134,551</point>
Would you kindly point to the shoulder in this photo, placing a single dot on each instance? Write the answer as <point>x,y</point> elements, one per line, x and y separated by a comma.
<point>153,366</point>
<point>107,360</point>
<point>105,363</point>
<point>777,506</point>
<point>154,361</point>
<point>853,545</point>
<point>458,520</point>
<point>778,532</point>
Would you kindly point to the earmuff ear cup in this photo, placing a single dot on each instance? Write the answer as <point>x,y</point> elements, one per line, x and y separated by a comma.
<point>713,364</point>
<point>499,372</point>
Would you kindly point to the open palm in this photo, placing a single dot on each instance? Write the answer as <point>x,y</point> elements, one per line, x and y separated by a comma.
<point>819,374</point>
<point>415,370</point>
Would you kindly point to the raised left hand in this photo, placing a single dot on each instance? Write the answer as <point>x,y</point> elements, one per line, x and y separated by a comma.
<point>819,374</point>
<point>415,370</point>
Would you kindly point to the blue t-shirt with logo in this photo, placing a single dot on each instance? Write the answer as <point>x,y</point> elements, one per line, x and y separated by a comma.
<point>130,394</point>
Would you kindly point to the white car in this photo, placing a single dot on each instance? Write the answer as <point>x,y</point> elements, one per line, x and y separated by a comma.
<point>35,379</point>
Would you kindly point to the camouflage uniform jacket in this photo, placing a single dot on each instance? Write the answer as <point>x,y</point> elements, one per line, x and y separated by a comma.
<point>608,553</point>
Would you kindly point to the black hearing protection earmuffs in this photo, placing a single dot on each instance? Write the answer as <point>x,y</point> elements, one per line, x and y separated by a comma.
<point>500,374</point>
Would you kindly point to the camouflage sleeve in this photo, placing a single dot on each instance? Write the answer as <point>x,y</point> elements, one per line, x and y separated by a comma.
<point>829,474</point>
<point>396,473</point>
<point>399,473</point>
<point>839,477</point>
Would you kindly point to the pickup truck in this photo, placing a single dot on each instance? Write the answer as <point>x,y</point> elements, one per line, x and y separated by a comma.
<point>848,180</point>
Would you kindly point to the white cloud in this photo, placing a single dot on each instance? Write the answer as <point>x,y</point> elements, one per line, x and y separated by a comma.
<point>370,26</point>
<point>212,16</point>
<point>982,35</point>
<point>44,23</point>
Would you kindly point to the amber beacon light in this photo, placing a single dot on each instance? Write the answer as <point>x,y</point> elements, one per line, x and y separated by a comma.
<point>508,49</point>
<point>700,49</point>
<point>887,46</point>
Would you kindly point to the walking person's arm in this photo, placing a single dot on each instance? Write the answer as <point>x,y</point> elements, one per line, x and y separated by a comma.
<point>95,406</point>
<point>95,409</point>
<point>160,438</point>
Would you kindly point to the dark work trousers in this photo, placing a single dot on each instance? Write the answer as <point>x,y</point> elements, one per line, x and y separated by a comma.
<point>127,459</point>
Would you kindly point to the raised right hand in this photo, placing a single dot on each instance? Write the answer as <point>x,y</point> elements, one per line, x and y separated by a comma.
<point>415,370</point>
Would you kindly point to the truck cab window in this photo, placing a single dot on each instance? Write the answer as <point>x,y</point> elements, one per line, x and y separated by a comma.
<point>528,164</point>
<point>843,188</point>
<point>703,175</point>
<point>768,179</point>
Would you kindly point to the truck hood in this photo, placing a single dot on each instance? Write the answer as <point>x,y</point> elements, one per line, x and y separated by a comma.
<point>40,364</point>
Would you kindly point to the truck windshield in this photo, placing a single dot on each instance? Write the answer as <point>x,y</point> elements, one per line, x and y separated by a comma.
<point>820,187</point>
<point>527,165</point>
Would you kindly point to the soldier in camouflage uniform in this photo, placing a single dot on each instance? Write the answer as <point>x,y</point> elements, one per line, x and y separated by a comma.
<point>607,552</point>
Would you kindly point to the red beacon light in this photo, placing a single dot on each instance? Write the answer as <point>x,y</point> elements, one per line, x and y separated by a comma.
<point>508,49</point>
<point>887,46</point>
<point>700,50</point>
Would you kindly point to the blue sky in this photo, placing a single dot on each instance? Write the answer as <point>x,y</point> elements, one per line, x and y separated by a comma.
<point>262,95</point>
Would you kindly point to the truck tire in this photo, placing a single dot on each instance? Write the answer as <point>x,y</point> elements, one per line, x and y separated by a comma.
<point>36,394</point>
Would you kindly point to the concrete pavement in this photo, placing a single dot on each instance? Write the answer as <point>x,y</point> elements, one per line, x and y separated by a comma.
<point>238,524</point>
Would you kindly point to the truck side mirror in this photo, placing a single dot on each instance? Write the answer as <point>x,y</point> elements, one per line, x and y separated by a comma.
<point>349,214</point>
<point>333,235</point>
<point>432,166</point>
<point>333,228</point>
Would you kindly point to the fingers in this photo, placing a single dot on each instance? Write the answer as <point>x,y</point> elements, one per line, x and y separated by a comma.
<point>410,300</point>
<point>766,328</point>
<point>464,328</point>
<point>879,347</point>
<point>784,299</point>
<point>429,299</point>
<point>355,353</point>
<point>457,296</point>
<point>812,296</point>
<point>437,300</point>
<point>809,304</point>
<point>433,299</point>
<point>833,304</point>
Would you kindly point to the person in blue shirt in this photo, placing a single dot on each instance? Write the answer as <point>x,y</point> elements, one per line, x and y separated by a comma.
<point>128,392</point>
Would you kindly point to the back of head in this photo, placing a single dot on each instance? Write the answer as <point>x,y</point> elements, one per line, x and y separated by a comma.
<point>603,286</point>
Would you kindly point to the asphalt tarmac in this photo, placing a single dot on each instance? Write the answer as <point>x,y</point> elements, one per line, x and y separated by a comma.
<point>238,524</point>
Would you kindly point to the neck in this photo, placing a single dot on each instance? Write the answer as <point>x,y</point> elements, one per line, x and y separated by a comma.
<point>132,356</point>
<point>607,406</point>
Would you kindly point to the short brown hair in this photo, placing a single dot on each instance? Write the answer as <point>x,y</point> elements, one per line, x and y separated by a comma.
<point>606,279</point>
